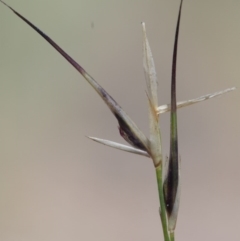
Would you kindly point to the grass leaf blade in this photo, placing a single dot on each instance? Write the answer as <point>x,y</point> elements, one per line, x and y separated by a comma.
<point>125,122</point>
<point>171,184</point>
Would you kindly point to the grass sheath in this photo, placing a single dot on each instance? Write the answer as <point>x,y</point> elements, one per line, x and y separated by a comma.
<point>171,183</point>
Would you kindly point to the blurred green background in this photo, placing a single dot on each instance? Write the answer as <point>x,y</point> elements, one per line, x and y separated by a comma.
<point>57,185</point>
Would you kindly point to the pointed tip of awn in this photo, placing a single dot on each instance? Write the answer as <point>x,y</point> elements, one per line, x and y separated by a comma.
<point>165,108</point>
<point>149,69</point>
<point>152,95</point>
<point>119,146</point>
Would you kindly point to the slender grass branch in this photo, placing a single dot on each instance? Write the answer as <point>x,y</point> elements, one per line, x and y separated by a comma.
<point>172,236</point>
<point>162,211</point>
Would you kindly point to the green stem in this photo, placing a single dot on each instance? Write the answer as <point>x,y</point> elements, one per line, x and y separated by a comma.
<point>172,238</point>
<point>163,213</point>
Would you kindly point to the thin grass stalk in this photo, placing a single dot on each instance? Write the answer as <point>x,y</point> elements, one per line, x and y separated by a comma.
<point>162,210</point>
<point>172,236</point>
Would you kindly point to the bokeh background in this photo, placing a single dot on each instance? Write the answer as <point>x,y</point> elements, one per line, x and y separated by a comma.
<point>57,185</point>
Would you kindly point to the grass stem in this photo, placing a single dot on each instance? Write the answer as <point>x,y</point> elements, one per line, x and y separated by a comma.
<point>162,211</point>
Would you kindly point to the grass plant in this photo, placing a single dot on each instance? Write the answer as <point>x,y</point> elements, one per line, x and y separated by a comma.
<point>167,170</point>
